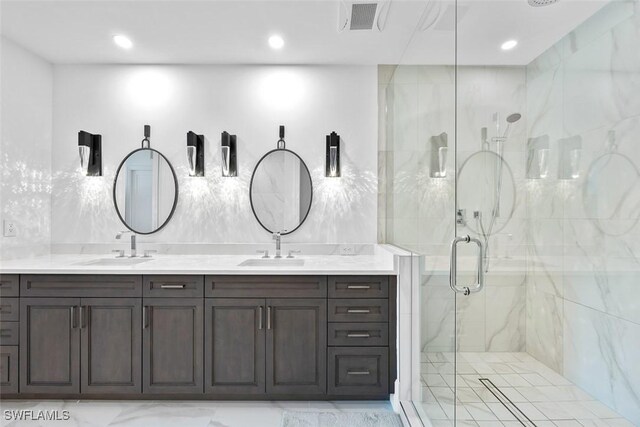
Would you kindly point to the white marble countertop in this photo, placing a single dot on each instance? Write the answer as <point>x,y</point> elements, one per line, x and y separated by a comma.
<point>381,262</point>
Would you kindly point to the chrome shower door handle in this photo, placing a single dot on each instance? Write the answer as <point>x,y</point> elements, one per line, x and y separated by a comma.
<point>453,266</point>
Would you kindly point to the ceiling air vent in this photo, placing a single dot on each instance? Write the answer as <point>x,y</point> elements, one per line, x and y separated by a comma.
<point>363,15</point>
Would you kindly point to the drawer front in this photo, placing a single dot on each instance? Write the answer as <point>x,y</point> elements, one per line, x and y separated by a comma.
<point>8,369</point>
<point>266,286</point>
<point>173,286</point>
<point>358,310</point>
<point>359,334</point>
<point>358,287</point>
<point>9,333</point>
<point>81,285</point>
<point>358,371</point>
<point>9,309</point>
<point>9,285</point>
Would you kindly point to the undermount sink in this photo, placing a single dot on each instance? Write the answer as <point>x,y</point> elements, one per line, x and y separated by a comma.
<point>115,261</point>
<point>272,262</point>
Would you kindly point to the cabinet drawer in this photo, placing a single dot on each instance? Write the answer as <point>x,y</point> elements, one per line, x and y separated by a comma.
<point>358,287</point>
<point>8,369</point>
<point>9,285</point>
<point>358,371</point>
<point>9,333</point>
<point>359,334</point>
<point>81,285</point>
<point>9,309</point>
<point>358,310</point>
<point>173,286</point>
<point>266,286</point>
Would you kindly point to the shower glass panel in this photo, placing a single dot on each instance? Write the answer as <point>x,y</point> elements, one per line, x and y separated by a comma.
<point>545,125</point>
<point>524,137</point>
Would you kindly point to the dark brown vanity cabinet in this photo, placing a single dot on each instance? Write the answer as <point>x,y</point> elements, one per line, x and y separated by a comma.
<point>73,345</point>
<point>50,345</point>
<point>234,346</point>
<point>209,337</point>
<point>296,346</point>
<point>172,345</point>
<point>272,346</point>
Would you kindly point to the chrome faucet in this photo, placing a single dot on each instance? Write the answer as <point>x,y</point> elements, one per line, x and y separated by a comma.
<point>133,241</point>
<point>278,238</point>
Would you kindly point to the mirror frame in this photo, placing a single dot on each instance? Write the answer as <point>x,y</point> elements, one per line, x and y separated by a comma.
<point>175,200</point>
<point>514,186</point>
<point>253,174</point>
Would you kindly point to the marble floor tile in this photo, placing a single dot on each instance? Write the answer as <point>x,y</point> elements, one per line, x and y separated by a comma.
<point>181,413</point>
<point>546,397</point>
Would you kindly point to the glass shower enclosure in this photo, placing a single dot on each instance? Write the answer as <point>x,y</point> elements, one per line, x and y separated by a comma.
<point>510,167</point>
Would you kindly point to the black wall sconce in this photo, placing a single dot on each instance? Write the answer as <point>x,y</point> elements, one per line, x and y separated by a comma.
<point>332,168</point>
<point>228,148</point>
<point>90,150</point>
<point>195,154</point>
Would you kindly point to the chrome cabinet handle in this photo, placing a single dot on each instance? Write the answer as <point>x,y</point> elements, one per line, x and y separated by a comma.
<point>145,323</point>
<point>358,311</point>
<point>269,317</point>
<point>81,316</point>
<point>176,286</point>
<point>358,286</point>
<point>260,313</point>
<point>73,316</point>
<point>358,335</point>
<point>358,373</point>
<point>453,266</point>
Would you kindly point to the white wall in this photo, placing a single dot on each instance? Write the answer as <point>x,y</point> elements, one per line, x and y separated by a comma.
<point>25,150</point>
<point>249,101</point>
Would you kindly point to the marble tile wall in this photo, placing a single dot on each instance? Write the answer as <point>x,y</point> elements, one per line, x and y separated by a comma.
<point>25,150</point>
<point>416,211</point>
<point>583,292</point>
<point>249,101</point>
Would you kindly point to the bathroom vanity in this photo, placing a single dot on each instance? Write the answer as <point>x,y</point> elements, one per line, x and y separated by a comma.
<point>198,336</point>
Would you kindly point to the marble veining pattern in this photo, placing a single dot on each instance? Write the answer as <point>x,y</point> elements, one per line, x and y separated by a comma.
<point>182,413</point>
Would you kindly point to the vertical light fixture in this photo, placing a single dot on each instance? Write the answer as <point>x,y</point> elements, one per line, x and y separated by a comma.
<point>195,154</point>
<point>570,151</point>
<point>332,167</point>
<point>439,149</point>
<point>90,150</point>
<point>228,148</point>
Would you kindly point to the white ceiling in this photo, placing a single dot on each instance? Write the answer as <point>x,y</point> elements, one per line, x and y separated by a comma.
<point>236,32</point>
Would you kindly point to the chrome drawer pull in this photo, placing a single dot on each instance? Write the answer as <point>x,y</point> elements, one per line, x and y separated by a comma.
<point>358,287</point>
<point>4,333</point>
<point>358,335</point>
<point>358,310</point>
<point>173,286</point>
<point>358,373</point>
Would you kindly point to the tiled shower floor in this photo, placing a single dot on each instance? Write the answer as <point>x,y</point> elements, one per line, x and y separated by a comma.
<point>547,398</point>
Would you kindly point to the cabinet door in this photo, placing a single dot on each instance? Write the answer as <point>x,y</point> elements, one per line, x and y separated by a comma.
<point>111,345</point>
<point>234,346</point>
<point>296,346</point>
<point>49,345</point>
<point>172,345</point>
<point>8,369</point>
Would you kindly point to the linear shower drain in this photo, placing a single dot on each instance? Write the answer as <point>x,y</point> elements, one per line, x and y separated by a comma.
<point>507,403</point>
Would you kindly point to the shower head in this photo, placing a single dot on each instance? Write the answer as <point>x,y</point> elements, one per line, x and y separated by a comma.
<point>512,118</point>
<point>541,3</point>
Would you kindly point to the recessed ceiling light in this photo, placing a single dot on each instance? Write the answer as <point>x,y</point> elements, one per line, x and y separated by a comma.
<point>509,44</point>
<point>276,42</point>
<point>123,41</point>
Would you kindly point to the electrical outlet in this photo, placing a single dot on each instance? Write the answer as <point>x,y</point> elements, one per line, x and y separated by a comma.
<point>9,228</point>
<point>347,250</point>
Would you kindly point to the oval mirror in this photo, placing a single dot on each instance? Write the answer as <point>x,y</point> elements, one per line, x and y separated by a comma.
<point>145,191</point>
<point>486,186</point>
<point>281,191</point>
<point>611,194</point>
